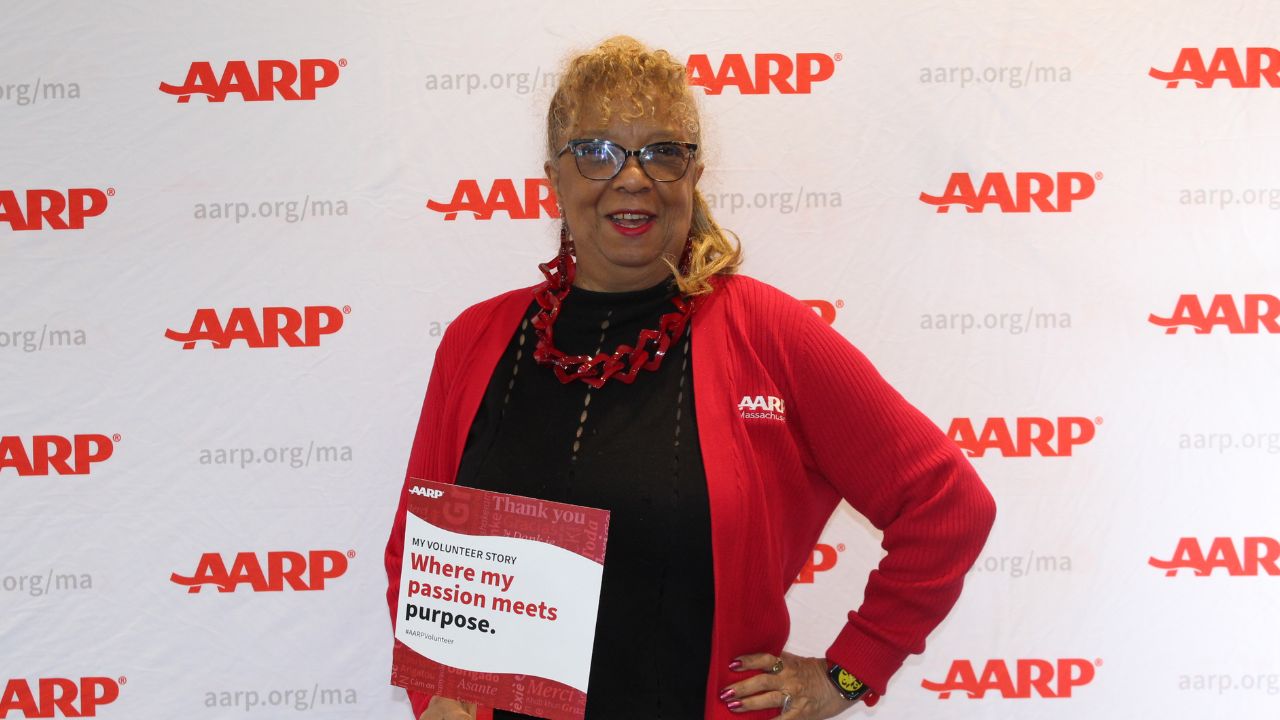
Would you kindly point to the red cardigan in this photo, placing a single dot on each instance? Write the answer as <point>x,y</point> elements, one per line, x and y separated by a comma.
<point>775,472</point>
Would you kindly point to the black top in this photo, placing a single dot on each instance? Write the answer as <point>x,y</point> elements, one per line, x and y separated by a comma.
<point>630,449</point>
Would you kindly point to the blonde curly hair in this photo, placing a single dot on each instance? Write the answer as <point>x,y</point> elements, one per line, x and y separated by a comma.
<point>622,75</point>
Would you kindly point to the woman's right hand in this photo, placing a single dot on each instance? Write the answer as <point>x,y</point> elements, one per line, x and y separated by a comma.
<point>445,709</point>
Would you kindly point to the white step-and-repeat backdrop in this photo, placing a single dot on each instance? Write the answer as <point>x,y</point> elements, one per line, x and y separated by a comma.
<point>232,235</point>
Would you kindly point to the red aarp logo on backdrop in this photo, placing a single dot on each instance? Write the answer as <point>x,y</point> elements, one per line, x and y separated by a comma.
<point>58,697</point>
<point>1247,557</point>
<point>824,558</point>
<point>761,73</point>
<point>1047,437</point>
<point>1239,68</point>
<point>1252,314</point>
<point>1026,192</point>
<point>297,328</point>
<point>528,202</point>
<point>53,209</point>
<point>825,309</point>
<point>280,569</point>
<point>54,454</point>
<point>262,81</point>
<point>1028,678</point>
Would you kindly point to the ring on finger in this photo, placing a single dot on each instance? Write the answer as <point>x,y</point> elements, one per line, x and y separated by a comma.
<point>777,667</point>
<point>786,703</point>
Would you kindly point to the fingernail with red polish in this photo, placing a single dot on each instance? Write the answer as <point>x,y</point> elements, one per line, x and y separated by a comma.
<point>735,665</point>
<point>735,705</point>
<point>726,694</point>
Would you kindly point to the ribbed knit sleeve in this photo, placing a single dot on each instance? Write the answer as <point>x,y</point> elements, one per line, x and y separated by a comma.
<point>898,469</point>
<point>432,410</point>
<point>437,442</point>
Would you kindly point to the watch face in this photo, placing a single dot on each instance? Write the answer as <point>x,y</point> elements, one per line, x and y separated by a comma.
<point>849,686</point>
<point>848,682</point>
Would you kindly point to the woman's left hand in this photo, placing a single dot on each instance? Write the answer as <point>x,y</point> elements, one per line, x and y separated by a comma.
<point>804,680</point>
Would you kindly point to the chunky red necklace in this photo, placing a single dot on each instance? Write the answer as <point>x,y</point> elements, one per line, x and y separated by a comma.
<point>625,362</point>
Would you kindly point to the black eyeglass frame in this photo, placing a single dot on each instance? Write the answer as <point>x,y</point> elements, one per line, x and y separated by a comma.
<point>640,158</point>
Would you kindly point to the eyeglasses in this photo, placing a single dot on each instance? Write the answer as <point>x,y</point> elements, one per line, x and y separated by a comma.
<point>603,159</point>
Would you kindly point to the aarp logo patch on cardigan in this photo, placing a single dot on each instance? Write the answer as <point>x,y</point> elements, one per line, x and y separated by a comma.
<point>762,407</point>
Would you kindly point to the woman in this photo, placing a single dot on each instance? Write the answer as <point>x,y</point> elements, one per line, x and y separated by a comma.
<point>621,383</point>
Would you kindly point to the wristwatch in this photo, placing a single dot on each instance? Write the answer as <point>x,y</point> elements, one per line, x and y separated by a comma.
<point>849,687</point>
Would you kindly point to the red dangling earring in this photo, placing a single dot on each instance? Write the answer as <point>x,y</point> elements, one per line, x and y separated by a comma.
<point>686,257</point>
<point>566,241</point>
<point>563,265</point>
